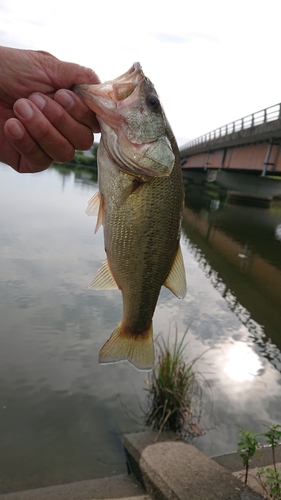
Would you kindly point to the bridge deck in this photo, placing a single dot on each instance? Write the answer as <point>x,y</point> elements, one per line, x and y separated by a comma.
<point>261,126</point>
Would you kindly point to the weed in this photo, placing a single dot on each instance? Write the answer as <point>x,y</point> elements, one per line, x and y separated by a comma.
<point>174,392</point>
<point>270,481</point>
<point>268,477</point>
<point>273,436</point>
<point>247,448</point>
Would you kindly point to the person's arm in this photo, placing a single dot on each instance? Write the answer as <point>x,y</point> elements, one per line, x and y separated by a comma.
<point>41,119</point>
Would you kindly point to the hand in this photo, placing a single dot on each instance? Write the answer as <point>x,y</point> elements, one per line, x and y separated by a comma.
<point>41,119</point>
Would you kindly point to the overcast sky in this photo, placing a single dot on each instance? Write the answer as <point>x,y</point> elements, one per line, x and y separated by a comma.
<point>211,61</point>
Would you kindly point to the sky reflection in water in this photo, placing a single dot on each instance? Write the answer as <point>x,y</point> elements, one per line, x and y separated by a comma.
<point>62,413</point>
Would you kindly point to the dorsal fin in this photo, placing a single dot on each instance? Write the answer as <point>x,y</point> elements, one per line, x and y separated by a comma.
<point>176,281</point>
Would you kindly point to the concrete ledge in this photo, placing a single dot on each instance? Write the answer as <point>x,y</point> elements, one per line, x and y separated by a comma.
<point>174,470</point>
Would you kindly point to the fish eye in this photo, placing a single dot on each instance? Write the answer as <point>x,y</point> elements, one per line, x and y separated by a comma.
<point>152,102</point>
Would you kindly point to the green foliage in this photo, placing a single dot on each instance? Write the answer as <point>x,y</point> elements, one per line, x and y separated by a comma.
<point>276,210</point>
<point>247,445</point>
<point>275,206</point>
<point>79,171</point>
<point>81,159</point>
<point>268,477</point>
<point>174,393</point>
<point>273,436</point>
<point>94,150</point>
<point>272,482</point>
<point>247,448</point>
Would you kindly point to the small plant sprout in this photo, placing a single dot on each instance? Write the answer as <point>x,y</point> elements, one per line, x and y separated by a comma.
<point>247,448</point>
<point>271,485</point>
<point>272,475</point>
<point>273,436</point>
<point>269,478</point>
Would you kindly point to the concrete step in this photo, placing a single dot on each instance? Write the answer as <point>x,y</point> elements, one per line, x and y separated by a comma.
<point>142,497</point>
<point>111,488</point>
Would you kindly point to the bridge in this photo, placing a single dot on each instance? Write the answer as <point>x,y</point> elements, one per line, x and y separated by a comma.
<point>241,156</point>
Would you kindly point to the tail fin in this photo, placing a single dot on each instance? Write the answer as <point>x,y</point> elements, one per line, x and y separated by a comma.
<point>123,345</point>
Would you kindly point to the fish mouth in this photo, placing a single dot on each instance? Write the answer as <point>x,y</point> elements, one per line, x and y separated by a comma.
<point>107,99</point>
<point>134,73</point>
<point>119,88</point>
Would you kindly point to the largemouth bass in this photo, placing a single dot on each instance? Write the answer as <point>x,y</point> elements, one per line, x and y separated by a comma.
<point>139,204</point>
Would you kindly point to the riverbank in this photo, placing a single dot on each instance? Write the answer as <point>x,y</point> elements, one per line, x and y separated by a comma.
<point>168,469</point>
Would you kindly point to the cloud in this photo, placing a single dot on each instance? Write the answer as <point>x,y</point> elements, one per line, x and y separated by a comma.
<point>8,39</point>
<point>168,38</point>
<point>178,39</point>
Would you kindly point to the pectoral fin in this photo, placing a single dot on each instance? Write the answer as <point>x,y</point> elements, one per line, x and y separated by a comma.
<point>96,207</point>
<point>93,205</point>
<point>176,281</point>
<point>104,279</point>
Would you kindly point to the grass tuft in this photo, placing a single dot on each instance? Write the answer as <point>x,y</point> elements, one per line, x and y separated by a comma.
<point>174,392</point>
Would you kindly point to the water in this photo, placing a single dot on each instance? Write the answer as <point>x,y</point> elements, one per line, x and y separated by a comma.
<point>62,415</point>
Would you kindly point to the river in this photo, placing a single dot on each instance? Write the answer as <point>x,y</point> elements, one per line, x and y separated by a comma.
<point>62,415</point>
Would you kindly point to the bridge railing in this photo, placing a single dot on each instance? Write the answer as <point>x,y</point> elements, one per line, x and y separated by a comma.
<point>258,118</point>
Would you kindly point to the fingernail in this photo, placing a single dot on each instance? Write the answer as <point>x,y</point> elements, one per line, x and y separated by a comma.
<point>23,108</point>
<point>38,100</point>
<point>64,99</point>
<point>16,129</point>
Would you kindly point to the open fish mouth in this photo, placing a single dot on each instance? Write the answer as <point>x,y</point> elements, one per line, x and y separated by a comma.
<point>107,99</point>
<point>135,72</point>
<point>117,89</point>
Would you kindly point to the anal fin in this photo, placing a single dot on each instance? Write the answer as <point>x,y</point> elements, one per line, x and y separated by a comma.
<point>176,281</point>
<point>104,279</point>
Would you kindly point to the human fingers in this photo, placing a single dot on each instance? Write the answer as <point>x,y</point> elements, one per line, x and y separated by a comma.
<point>79,134</point>
<point>43,132</point>
<point>25,154</point>
<point>77,109</point>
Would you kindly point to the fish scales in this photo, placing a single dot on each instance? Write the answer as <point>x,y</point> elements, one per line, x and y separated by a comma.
<point>137,241</point>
